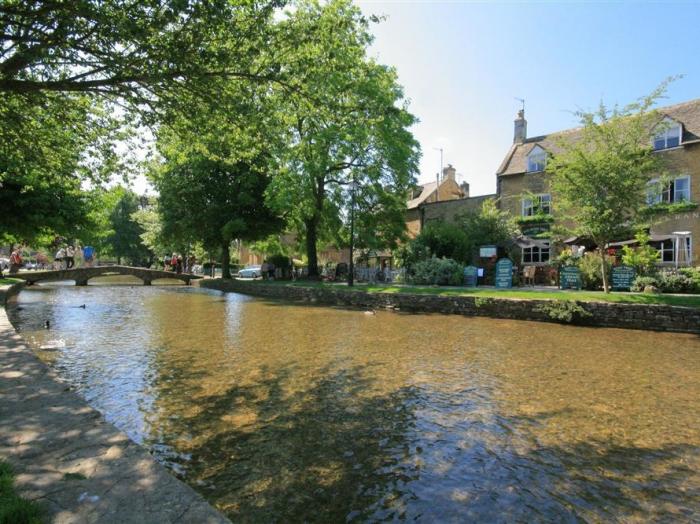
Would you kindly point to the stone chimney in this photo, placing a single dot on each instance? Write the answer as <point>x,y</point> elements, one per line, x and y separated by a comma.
<point>449,173</point>
<point>464,186</point>
<point>520,128</point>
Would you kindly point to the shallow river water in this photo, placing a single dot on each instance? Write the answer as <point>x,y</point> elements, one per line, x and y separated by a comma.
<point>284,412</point>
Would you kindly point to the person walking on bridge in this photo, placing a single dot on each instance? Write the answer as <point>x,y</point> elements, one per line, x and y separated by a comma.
<point>70,257</point>
<point>58,259</point>
<point>88,255</point>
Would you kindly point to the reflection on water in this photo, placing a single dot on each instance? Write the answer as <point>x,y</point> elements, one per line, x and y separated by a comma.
<point>280,412</point>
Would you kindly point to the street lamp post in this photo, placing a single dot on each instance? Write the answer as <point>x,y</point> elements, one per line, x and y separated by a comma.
<point>351,268</point>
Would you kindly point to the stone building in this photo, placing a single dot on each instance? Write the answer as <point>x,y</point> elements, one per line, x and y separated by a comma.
<point>523,188</point>
<point>441,200</point>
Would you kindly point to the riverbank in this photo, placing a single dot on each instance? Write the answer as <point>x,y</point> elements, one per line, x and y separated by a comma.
<point>68,459</point>
<point>631,311</point>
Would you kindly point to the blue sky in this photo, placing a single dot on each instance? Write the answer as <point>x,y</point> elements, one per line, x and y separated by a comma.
<point>462,64</point>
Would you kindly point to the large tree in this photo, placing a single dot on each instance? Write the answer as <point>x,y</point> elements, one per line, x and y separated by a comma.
<point>73,72</point>
<point>213,201</point>
<point>599,176</point>
<point>351,125</point>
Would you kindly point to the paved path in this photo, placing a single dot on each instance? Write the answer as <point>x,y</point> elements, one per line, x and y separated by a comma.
<point>81,468</point>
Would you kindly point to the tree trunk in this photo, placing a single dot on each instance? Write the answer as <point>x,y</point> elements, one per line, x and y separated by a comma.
<point>312,255</point>
<point>225,260</point>
<point>603,271</point>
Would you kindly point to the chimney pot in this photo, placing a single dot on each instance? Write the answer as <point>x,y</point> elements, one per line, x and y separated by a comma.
<point>520,128</point>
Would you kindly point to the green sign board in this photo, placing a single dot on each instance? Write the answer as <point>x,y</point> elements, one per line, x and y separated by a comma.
<point>504,273</point>
<point>570,278</point>
<point>470,276</point>
<point>622,277</point>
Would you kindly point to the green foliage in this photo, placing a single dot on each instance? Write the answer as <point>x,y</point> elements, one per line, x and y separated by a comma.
<point>143,54</point>
<point>600,177</point>
<point>535,219</point>
<point>460,240</point>
<point>352,132</point>
<point>438,271</point>
<point>678,283</point>
<point>124,239</point>
<point>685,280</point>
<point>664,208</point>
<point>443,240</point>
<point>13,508</point>
<point>591,272</point>
<point>280,261</point>
<point>47,150</point>
<point>488,226</point>
<point>564,311</point>
<point>566,259</point>
<point>643,258</point>
<point>212,201</point>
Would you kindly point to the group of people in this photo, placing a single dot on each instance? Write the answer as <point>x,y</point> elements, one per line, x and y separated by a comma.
<point>179,264</point>
<point>66,255</point>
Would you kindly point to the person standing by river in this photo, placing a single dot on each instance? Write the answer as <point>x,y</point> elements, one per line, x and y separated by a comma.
<point>15,260</point>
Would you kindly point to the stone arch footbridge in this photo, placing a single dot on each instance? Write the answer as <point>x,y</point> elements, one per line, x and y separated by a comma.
<point>83,274</point>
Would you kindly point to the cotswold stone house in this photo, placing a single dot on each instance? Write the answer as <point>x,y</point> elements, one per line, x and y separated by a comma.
<point>523,188</point>
<point>441,200</point>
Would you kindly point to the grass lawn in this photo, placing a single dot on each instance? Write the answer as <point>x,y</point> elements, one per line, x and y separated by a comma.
<point>583,296</point>
<point>13,508</point>
<point>8,281</point>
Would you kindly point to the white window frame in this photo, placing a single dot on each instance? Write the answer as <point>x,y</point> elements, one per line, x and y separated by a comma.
<point>673,130</point>
<point>676,192</point>
<point>536,254</point>
<point>530,206</point>
<point>536,158</point>
<point>657,194</point>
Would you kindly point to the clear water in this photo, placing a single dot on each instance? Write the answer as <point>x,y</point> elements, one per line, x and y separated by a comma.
<point>283,412</point>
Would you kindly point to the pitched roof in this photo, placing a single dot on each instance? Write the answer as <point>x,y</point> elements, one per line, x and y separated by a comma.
<point>427,190</point>
<point>515,161</point>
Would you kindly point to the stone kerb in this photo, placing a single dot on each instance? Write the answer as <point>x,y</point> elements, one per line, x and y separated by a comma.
<point>79,467</point>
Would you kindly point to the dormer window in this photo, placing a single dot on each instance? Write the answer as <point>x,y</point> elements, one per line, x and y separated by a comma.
<point>669,137</point>
<point>536,160</point>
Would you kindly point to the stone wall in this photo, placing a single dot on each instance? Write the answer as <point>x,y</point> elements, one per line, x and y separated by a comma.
<point>602,314</point>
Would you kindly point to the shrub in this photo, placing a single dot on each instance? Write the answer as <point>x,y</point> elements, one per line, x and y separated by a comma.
<point>693,273</point>
<point>642,258</point>
<point>438,271</point>
<point>676,283</point>
<point>591,277</point>
<point>641,282</point>
<point>445,240</point>
<point>280,261</point>
<point>564,311</point>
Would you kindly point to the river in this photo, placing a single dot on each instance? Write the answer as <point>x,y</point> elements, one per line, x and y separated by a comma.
<point>286,412</point>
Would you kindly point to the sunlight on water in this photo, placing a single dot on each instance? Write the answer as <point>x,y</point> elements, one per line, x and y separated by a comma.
<point>279,412</point>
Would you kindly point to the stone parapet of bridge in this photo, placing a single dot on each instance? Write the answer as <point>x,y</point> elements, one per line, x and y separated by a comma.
<point>82,275</point>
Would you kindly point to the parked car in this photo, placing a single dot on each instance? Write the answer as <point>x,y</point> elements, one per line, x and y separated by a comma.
<point>250,272</point>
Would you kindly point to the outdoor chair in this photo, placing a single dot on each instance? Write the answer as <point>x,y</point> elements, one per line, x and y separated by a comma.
<point>529,275</point>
